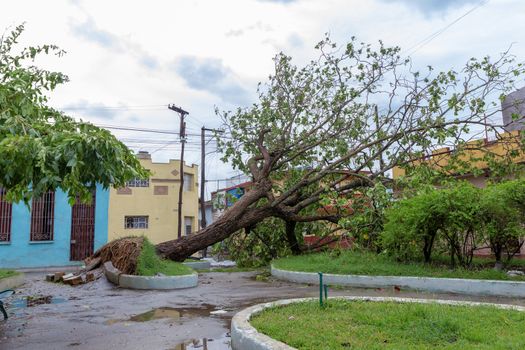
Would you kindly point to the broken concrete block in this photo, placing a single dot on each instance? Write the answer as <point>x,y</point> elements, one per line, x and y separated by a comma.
<point>58,276</point>
<point>68,275</point>
<point>73,280</point>
<point>50,277</point>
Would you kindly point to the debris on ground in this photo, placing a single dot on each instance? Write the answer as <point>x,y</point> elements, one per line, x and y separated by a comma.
<point>74,279</point>
<point>218,312</point>
<point>513,273</point>
<point>38,300</point>
<point>223,263</point>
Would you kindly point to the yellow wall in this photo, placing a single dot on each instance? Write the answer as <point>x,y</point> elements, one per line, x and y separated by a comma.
<point>500,148</point>
<point>161,209</point>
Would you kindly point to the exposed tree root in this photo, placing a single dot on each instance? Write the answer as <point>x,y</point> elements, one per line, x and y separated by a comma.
<point>123,253</point>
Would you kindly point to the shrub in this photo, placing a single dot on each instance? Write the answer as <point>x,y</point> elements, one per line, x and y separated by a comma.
<point>502,209</point>
<point>446,217</point>
<point>458,219</point>
<point>257,246</point>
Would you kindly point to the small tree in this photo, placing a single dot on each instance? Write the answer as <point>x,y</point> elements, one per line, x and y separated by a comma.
<point>41,148</point>
<point>460,205</point>
<point>502,211</point>
<point>412,226</point>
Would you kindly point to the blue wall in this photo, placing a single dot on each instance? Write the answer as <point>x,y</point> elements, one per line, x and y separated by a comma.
<point>20,252</point>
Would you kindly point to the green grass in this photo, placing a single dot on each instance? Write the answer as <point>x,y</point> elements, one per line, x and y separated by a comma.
<point>387,325</point>
<point>7,273</point>
<point>363,263</point>
<point>149,263</point>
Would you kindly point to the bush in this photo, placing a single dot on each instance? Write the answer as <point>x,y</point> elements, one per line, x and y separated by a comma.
<point>457,219</point>
<point>412,225</point>
<point>503,208</point>
<point>446,217</point>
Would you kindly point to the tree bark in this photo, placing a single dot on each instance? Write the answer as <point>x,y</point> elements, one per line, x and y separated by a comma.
<point>237,217</point>
<point>292,238</point>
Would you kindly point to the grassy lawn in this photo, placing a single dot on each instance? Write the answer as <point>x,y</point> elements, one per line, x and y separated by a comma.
<point>7,273</point>
<point>388,325</point>
<point>149,263</point>
<point>362,263</point>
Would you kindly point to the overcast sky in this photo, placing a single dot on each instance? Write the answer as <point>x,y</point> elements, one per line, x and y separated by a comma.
<point>127,60</point>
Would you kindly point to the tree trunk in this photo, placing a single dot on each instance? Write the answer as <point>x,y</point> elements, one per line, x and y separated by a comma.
<point>292,238</point>
<point>237,217</point>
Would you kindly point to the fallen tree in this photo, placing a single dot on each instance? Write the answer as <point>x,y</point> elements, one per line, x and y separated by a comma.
<point>343,121</point>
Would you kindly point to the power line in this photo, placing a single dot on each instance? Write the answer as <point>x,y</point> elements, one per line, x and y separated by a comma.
<point>154,131</point>
<point>434,35</point>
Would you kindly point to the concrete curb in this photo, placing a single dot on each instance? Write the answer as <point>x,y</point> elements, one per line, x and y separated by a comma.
<point>245,337</point>
<point>12,282</point>
<point>427,284</point>
<point>148,282</point>
<point>198,265</point>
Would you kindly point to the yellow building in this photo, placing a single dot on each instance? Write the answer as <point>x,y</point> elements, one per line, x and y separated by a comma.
<point>150,207</point>
<point>506,146</point>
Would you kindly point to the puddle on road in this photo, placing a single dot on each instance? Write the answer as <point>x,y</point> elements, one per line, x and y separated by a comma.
<point>155,314</point>
<point>34,300</point>
<point>175,314</point>
<point>222,343</point>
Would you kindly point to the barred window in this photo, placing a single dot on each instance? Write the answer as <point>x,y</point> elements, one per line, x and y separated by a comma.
<point>138,183</point>
<point>188,224</point>
<point>43,217</point>
<point>131,222</point>
<point>5,217</point>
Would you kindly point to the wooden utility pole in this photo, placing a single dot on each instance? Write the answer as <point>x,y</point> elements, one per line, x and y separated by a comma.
<point>203,175</point>
<point>378,128</point>
<point>182,135</point>
<point>203,178</point>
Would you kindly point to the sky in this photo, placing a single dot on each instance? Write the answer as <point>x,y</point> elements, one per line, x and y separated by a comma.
<point>128,60</point>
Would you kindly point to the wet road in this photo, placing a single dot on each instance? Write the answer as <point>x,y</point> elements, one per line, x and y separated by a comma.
<point>99,315</point>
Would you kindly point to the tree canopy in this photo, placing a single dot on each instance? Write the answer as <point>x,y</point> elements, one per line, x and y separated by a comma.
<point>41,148</point>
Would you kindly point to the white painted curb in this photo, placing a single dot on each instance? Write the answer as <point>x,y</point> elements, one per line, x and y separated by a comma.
<point>427,284</point>
<point>245,337</point>
<point>148,282</point>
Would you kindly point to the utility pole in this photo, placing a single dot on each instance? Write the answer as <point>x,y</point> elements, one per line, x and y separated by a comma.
<point>378,127</point>
<point>182,135</point>
<point>203,176</point>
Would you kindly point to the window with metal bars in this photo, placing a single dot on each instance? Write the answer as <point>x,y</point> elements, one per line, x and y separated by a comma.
<point>138,183</point>
<point>5,217</point>
<point>43,217</point>
<point>188,224</point>
<point>136,222</point>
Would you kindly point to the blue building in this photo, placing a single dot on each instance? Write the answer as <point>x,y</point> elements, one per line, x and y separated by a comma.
<point>51,232</point>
